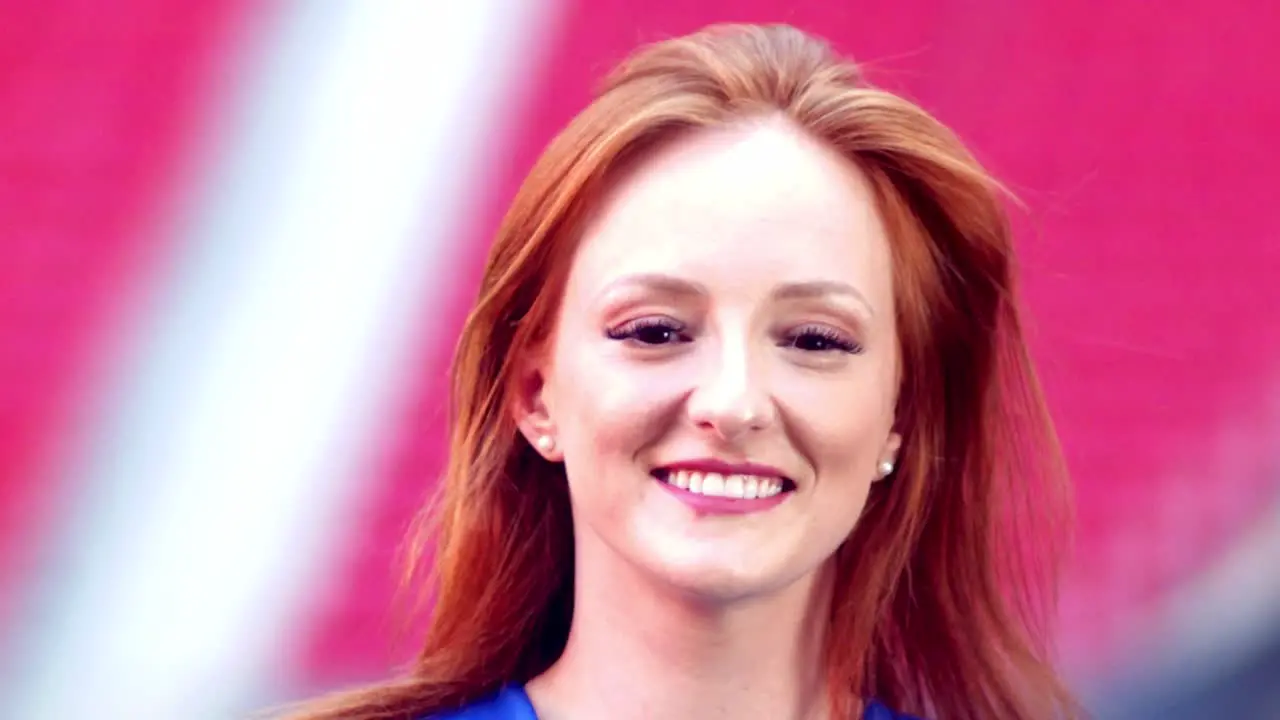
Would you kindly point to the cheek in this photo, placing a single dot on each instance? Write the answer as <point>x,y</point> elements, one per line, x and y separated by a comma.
<point>843,422</point>
<point>847,429</point>
<point>605,405</point>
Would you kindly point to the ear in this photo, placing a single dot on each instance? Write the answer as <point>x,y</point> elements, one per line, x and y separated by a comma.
<point>888,460</point>
<point>531,412</point>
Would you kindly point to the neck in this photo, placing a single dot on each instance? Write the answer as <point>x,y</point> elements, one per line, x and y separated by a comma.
<point>638,651</point>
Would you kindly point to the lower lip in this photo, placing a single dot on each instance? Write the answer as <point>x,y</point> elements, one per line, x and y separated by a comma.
<point>708,505</point>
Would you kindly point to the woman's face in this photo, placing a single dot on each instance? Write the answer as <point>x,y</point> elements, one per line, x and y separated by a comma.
<point>722,377</point>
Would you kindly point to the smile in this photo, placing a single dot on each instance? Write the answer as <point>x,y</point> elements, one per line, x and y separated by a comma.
<point>714,484</point>
<point>710,487</point>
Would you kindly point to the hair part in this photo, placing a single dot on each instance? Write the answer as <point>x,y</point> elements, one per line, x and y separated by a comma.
<point>945,590</point>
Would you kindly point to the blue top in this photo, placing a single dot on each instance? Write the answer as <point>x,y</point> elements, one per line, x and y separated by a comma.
<point>511,703</point>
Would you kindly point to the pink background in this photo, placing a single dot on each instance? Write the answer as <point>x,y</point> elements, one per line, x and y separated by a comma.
<point>1142,137</point>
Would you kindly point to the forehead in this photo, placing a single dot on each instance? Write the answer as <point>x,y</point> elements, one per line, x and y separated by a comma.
<point>740,202</point>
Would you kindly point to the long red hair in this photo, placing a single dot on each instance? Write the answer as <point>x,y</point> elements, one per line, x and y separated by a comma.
<point>945,589</point>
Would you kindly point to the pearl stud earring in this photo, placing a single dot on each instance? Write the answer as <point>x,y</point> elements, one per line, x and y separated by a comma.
<point>546,443</point>
<point>885,468</point>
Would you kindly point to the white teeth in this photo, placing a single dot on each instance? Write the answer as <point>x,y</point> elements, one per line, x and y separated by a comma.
<point>748,487</point>
<point>733,486</point>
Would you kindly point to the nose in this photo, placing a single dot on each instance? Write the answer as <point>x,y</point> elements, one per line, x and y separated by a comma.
<point>732,398</point>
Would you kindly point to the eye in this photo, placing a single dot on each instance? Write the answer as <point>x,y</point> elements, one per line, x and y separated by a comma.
<point>820,338</point>
<point>650,331</point>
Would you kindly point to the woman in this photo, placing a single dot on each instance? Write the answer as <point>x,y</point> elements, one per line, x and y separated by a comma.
<point>744,424</point>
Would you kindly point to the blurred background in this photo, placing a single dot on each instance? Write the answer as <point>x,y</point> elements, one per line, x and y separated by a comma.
<point>237,239</point>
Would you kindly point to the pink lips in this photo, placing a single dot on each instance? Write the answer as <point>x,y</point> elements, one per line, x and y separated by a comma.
<point>712,505</point>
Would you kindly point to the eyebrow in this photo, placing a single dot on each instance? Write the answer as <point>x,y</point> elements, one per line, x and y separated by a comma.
<point>659,282</point>
<point>821,288</point>
<point>810,290</point>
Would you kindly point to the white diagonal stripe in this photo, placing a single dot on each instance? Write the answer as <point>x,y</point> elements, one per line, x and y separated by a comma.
<point>269,355</point>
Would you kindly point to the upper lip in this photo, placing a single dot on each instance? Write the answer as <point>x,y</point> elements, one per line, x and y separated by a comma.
<point>722,467</point>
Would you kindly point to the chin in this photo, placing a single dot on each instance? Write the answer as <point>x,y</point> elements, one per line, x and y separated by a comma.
<point>716,581</point>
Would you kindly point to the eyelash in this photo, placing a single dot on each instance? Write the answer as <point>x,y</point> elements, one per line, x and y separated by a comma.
<point>835,339</point>
<point>635,329</point>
